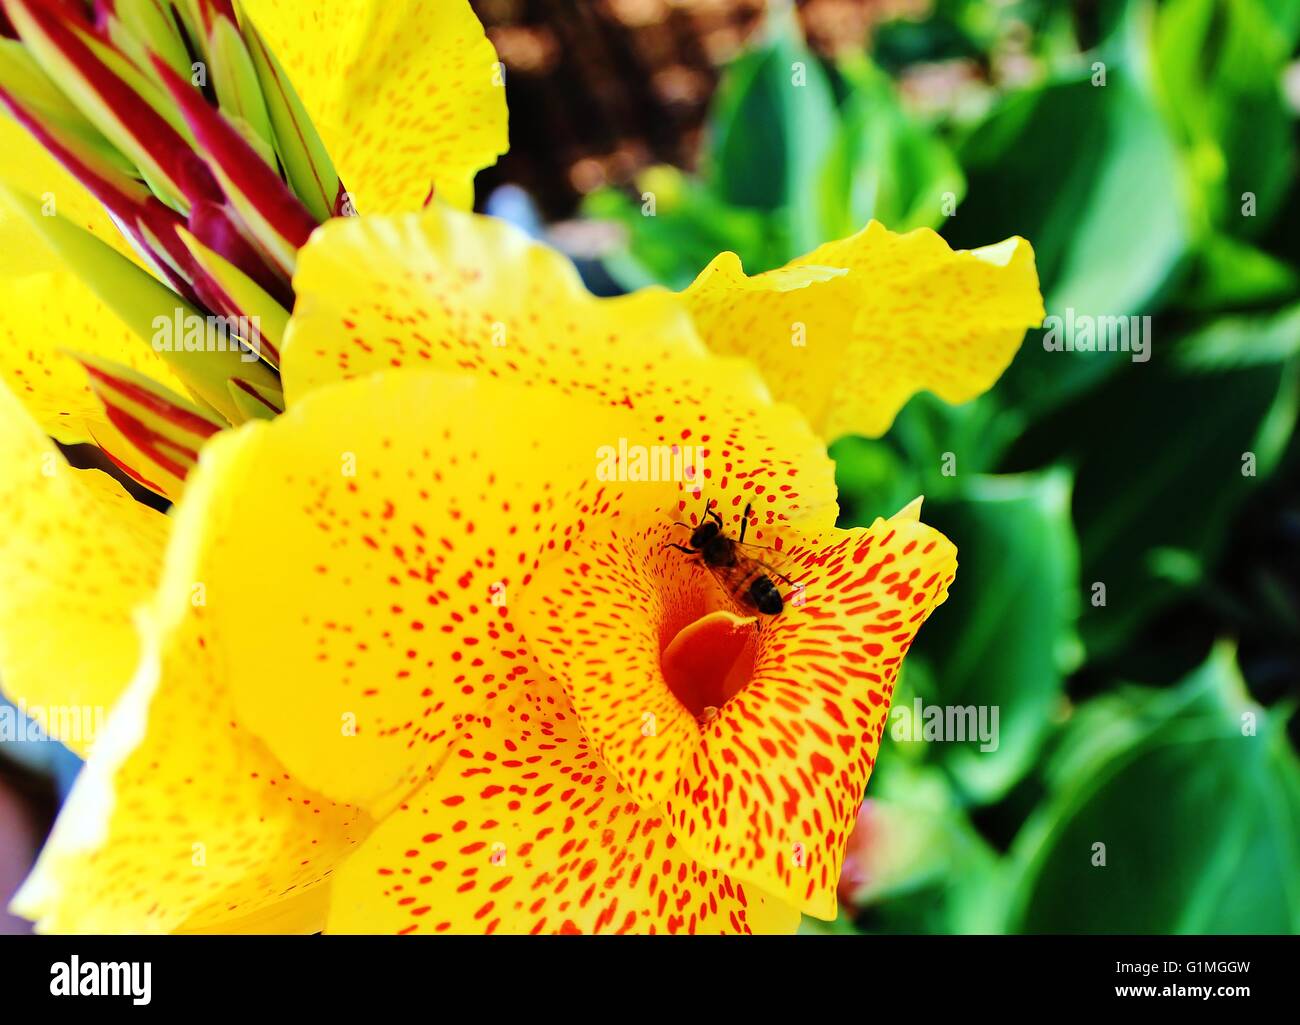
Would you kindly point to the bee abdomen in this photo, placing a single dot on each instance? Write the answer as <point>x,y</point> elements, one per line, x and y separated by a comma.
<point>764,596</point>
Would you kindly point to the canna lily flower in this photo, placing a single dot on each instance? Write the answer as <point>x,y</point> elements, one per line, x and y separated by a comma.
<point>407,656</point>
<point>442,676</point>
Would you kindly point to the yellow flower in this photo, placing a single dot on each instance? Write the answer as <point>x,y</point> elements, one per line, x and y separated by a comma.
<point>443,677</point>
<point>418,647</point>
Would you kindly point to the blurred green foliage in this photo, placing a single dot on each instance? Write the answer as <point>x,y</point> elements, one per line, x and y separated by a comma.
<point>1129,533</point>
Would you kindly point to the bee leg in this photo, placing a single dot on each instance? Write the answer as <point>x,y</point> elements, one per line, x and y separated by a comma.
<point>744,520</point>
<point>681,548</point>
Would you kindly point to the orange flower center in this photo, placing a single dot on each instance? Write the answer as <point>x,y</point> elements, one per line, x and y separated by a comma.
<point>710,660</point>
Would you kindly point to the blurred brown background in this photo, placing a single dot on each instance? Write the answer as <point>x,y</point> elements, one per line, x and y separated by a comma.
<point>599,89</point>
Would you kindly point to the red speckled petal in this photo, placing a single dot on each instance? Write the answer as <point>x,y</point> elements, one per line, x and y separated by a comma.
<point>602,612</point>
<point>444,290</point>
<point>524,831</point>
<point>598,616</point>
<point>772,791</point>
<point>468,294</point>
<point>787,758</point>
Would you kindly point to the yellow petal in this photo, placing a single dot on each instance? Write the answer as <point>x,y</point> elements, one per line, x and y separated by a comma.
<point>22,250</point>
<point>851,331</point>
<point>406,94</point>
<point>443,290</point>
<point>43,313</point>
<point>361,570</point>
<point>77,554</point>
<point>525,831</point>
<point>304,913</point>
<point>181,819</point>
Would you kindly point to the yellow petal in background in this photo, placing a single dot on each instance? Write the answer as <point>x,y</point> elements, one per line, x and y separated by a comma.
<point>407,95</point>
<point>461,293</point>
<point>22,251</point>
<point>525,831</point>
<point>181,819</point>
<point>443,290</point>
<point>76,555</point>
<point>43,313</point>
<point>849,332</point>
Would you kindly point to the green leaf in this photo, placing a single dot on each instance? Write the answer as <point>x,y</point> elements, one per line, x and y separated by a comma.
<point>1220,65</point>
<point>1096,184</point>
<point>916,864</point>
<point>1232,274</point>
<point>29,87</point>
<point>1285,15</point>
<point>773,125</point>
<point>1245,341</point>
<point>946,445</point>
<point>239,92</point>
<point>688,227</point>
<point>1163,456</point>
<point>111,92</point>
<point>885,164</point>
<point>141,27</point>
<point>872,478</point>
<point>1005,639</point>
<point>1194,793</point>
<point>245,295</point>
<point>307,164</point>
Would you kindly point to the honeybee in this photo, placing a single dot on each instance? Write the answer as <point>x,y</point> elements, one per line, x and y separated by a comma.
<point>748,580</point>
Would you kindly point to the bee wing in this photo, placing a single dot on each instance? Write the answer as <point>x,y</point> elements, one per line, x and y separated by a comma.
<point>768,559</point>
<point>736,578</point>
